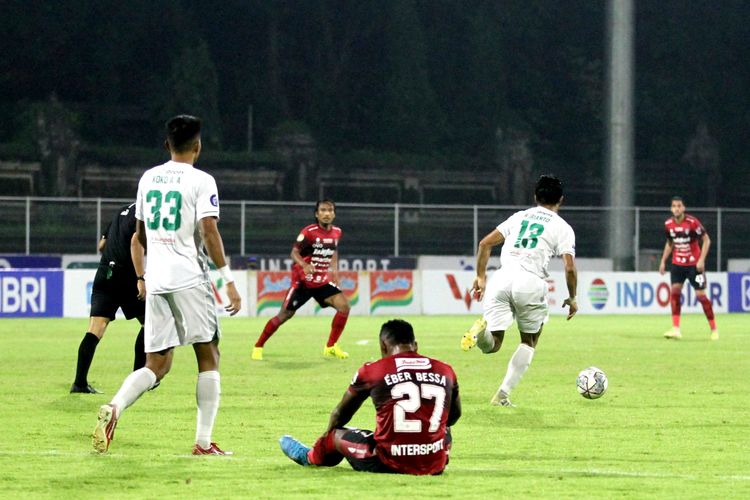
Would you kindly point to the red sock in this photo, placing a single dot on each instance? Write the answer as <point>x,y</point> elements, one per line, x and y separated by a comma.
<point>709,310</point>
<point>675,300</point>
<point>324,452</point>
<point>271,327</point>
<point>337,327</point>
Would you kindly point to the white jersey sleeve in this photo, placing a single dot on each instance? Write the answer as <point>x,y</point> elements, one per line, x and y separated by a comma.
<point>207,199</point>
<point>567,241</point>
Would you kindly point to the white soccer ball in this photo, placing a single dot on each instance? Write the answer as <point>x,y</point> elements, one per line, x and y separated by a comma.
<point>592,383</point>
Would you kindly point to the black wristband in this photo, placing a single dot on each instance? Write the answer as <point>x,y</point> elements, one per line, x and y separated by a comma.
<point>142,277</point>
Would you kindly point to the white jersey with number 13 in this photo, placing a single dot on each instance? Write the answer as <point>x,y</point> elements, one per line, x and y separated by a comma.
<point>532,236</point>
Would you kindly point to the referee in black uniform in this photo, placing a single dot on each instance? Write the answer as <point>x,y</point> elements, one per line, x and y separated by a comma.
<point>115,286</point>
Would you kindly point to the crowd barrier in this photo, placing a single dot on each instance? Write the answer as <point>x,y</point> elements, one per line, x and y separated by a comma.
<point>67,292</point>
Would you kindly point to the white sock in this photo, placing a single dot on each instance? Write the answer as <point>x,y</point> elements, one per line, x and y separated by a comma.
<point>134,385</point>
<point>517,366</point>
<point>207,392</point>
<point>486,341</point>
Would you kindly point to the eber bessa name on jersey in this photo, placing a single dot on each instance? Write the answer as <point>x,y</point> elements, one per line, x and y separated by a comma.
<point>429,377</point>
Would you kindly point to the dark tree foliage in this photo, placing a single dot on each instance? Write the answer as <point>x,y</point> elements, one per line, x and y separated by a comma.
<point>410,76</point>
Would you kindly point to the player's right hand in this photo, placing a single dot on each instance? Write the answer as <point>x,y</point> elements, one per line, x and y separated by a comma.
<point>477,288</point>
<point>235,301</point>
<point>573,305</point>
<point>662,268</point>
<point>309,269</point>
<point>141,290</point>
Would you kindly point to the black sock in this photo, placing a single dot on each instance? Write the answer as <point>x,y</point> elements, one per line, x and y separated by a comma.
<point>139,361</point>
<point>85,355</point>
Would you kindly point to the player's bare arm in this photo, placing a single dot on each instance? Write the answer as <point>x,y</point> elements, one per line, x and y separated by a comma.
<point>493,239</point>
<point>215,247</point>
<point>307,267</point>
<point>101,244</point>
<point>455,411</point>
<point>137,255</point>
<point>665,254</point>
<point>700,266</point>
<point>571,280</point>
<point>345,410</point>
<point>140,233</point>
<point>335,267</point>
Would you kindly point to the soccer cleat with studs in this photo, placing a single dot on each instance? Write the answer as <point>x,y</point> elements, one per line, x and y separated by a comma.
<point>257,354</point>
<point>294,449</point>
<point>104,431</point>
<point>213,449</point>
<point>83,389</point>
<point>500,399</point>
<point>673,333</point>
<point>334,352</point>
<point>469,339</point>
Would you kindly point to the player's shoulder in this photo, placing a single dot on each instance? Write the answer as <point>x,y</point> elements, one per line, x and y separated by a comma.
<point>442,367</point>
<point>309,229</point>
<point>692,219</point>
<point>336,230</point>
<point>669,222</point>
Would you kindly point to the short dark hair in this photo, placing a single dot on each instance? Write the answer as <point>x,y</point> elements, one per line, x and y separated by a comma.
<point>182,132</point>
<point>678,198</point>
<point>397,331</point>
<point>325,200</point>
<point>548,190</point>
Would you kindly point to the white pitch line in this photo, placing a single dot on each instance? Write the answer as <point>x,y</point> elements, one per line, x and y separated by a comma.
<point>621,473</point>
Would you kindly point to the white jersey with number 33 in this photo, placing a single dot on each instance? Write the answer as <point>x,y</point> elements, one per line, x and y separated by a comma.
<point>533,236</point>
<point>171,199</point>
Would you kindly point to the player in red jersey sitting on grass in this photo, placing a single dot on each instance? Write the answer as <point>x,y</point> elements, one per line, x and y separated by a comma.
<point>416,401</point>
<point>314,275</point>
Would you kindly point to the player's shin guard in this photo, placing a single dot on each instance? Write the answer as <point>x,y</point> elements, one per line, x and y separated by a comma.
<point>486,341</point>
<point>139,355</point>
<point>337,327</point>
<point>517,366</point>
<point>134,385</point>
<point>708,310</point>
<point>271,327</point>
<point>324,452</point>
<point>675,300</point>
<point>207,395</point>
<point>86,351</point>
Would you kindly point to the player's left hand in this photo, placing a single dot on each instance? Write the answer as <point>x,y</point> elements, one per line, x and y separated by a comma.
<point>477,288</point>
<point>141,290</point>
<point>572,304</point>
<point>235,301</point>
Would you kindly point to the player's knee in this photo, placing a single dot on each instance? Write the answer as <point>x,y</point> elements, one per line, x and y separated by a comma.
<point>344,307</point>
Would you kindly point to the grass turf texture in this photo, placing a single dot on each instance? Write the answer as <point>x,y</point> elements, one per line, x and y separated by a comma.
<point>674,422</point>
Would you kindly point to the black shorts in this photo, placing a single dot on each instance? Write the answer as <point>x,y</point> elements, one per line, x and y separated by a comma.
<point>361,447</point>
<point>115,290</point>
<point>679,274</point>
<point>360,451</point>
<point>298,295</point>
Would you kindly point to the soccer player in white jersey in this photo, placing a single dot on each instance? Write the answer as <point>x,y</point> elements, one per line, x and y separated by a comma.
<point>177,209</point>
<point>518,289</point>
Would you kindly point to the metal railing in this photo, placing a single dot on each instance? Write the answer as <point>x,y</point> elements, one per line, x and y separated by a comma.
<point>36,225</point>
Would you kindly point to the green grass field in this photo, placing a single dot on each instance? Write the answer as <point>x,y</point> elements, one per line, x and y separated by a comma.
<point>674,423</point>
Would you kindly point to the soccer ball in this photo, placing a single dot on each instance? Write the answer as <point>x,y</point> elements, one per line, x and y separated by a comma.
<point>592,383</point>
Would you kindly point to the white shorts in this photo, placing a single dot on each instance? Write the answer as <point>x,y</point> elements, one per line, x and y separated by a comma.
<point>515,294</point>
<point>180,318</point>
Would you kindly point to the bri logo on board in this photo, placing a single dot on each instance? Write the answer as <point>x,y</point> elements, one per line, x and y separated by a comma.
<point>25,293</point>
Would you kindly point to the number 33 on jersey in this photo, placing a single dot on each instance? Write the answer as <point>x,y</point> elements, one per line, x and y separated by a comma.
<point>172,199</point>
